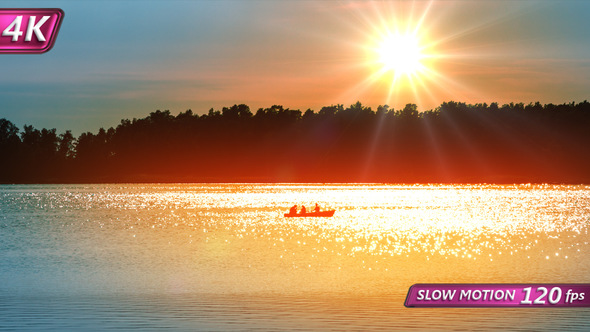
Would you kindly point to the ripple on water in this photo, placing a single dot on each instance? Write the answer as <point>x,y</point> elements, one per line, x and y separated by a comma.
<point>222,256</point>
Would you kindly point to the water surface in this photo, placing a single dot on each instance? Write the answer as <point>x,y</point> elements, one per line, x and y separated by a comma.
<point>223,257</point>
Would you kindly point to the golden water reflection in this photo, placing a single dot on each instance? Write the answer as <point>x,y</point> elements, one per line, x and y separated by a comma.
<point>471,222</point>
<point>225,238</point>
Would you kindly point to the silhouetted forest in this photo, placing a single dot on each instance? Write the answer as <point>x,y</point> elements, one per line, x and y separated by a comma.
<point>456,142</point>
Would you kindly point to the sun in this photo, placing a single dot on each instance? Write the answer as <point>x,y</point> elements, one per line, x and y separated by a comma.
<point>400,53</point>
<point>401,60</point>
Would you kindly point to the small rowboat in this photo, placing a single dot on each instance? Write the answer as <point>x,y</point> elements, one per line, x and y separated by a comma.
<point>311,214</point>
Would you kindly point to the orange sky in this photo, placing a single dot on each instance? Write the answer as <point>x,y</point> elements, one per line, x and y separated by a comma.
<point>116,59</point>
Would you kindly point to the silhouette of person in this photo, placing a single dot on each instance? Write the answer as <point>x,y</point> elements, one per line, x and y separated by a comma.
<point>317,208</point>
<point>293,209</point>
<point>302,209</point>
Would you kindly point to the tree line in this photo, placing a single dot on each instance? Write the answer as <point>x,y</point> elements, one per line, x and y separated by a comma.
<point>455,142</point>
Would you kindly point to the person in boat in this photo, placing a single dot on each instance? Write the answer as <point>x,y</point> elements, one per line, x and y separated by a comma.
<point>317,208</point>
<point>302,209</point>
<point>293,209</point>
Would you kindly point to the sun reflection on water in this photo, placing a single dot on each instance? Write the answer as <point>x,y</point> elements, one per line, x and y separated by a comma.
<point>236,236</point>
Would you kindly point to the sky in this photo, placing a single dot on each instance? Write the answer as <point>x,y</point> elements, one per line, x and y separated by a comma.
<point>116,60</point>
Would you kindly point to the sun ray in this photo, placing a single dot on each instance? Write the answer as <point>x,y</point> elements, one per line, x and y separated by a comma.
<point>431,70</point>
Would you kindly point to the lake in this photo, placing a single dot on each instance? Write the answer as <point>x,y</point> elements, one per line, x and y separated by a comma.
<point>221,257</point>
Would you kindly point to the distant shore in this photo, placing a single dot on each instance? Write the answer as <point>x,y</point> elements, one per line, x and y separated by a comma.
<point>454,143</point>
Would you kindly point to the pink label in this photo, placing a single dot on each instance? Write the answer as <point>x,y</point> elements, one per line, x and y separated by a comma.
<point>498,295</point>
<point>29,30</point>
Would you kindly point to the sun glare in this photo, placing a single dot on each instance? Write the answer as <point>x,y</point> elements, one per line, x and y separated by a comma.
<point>400,61</point>
<point>400,53</point>
<point>404,54</point>
<point>401,57</point>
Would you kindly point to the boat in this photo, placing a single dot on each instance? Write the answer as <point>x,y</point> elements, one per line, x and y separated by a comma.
<point>328,213</point>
